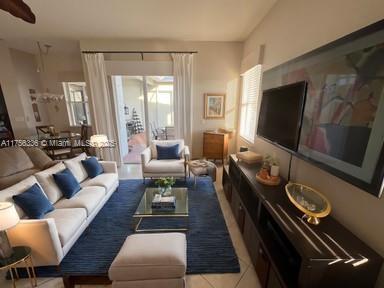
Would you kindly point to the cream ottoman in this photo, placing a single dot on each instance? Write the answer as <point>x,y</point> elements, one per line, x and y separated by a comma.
<point>150,260</point>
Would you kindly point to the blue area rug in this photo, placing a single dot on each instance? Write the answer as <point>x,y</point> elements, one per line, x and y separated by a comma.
<point>209,246</point>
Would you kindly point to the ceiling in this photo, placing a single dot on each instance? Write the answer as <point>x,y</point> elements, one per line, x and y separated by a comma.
<point>69,21</point>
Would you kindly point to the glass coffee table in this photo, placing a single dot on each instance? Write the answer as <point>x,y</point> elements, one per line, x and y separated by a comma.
<point>144,210</point>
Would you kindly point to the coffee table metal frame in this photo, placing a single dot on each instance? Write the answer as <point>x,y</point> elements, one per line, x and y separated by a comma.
<point>145,211</point>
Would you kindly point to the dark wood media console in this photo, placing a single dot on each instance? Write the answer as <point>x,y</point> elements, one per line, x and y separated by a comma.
<point>287,251</point>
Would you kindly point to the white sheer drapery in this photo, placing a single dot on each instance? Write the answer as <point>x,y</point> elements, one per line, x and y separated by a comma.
<point>182,91</point>
<point>104,120</point>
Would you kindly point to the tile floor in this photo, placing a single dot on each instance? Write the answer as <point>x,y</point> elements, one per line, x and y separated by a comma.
<point>247,277</point>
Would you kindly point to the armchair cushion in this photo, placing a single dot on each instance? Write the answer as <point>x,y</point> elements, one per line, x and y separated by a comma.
<point>167,152</point>
<point>165,166</point>
<point>166,143</point>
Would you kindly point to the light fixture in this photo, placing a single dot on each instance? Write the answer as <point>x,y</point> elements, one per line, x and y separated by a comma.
<point>99,141</point>
<point>45,97</point>
<point>8,219</point>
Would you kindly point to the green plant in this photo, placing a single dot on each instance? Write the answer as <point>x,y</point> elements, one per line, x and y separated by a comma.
<point>271,160</point>
<point>165,181</point>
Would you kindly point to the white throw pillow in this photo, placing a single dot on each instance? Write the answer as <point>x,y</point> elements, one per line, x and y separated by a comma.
<point>7,193</point>
<point>77,167</point>
<point>48,184</point>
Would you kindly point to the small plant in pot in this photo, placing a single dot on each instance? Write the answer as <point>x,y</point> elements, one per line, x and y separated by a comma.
<point>274,165</point>
<point>165,185</point>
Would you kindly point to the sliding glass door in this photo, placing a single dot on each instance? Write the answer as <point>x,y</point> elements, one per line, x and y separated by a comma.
<point>145,108</point>
<point>160,106</point>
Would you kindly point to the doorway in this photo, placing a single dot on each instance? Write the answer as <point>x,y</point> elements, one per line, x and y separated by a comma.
<point>145,104</point>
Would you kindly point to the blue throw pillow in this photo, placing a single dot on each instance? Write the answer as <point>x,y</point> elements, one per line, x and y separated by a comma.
<point>67,183</point>
<point>92,166</point>
<point>167,152</point>
<point>33,202</point>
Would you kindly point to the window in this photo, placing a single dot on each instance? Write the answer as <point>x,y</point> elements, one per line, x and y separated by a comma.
<point>77,103</point>
<point>251,81</point>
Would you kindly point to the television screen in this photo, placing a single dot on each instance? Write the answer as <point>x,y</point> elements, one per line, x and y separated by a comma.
<point>281,112</point>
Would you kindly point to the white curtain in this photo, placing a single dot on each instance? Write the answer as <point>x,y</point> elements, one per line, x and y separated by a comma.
<point>182,91</point>
<point>104,117</point>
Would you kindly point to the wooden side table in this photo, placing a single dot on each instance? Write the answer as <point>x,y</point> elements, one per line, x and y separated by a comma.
<point>215,145</point>
<point>21,254</point>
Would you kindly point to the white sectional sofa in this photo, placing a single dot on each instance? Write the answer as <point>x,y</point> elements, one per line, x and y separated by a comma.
<point>52,237</point>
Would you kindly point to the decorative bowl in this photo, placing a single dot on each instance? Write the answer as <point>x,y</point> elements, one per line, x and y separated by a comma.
<point>309,201</point>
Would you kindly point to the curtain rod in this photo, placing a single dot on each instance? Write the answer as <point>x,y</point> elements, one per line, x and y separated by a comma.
<point>140,52</point>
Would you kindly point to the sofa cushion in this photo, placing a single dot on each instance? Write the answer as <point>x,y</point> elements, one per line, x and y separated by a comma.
<point>67,221</point>
<point>165,166</point>
<point>150,256</point>
<point>14,160</point>
<point>106,180</point>
<point>92,166</point>
<point>6,194</point>
<point>87,198</point>
<point>33,202</point>
<point>46,181</point>
<point>67,183</point>
<point>77,168</point>
<point>166,143</point>
<point>13,179</point>
<point>39,158</point>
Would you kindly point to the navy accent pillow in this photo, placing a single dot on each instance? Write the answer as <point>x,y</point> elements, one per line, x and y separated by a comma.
<point>167,152</point>
<point>92,166</point>
<point>67,183</point>
<point>33,202</point>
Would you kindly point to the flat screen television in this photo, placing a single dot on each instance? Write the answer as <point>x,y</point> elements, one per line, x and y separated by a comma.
<point>281,113</point>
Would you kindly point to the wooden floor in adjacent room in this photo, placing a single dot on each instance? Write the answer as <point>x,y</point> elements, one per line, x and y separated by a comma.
<point>247,277</point>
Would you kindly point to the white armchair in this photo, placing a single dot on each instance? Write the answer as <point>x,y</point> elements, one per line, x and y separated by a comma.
<point>153,168</point>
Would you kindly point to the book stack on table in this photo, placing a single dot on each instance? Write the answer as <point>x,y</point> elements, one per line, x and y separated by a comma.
<point>161,202</point>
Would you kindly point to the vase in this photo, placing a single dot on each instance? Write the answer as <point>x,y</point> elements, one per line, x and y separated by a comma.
<point>275,170</point>
<point>165,190</point>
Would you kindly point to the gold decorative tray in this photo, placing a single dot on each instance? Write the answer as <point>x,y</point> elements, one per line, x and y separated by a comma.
<point>269,182</point>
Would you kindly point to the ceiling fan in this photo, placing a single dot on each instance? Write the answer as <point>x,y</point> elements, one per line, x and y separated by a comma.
<point>18,9</point>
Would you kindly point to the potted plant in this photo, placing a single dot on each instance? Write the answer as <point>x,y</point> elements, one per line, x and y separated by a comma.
<point>165,185</point>
<point>274,165</point>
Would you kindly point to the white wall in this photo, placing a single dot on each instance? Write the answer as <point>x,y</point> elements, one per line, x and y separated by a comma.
<point>18,73</point>
<point>133,96</point>
<point>217,66</point>
<point>60,67</point>
<point>9,85</point>
<point>28,78</point>
<point>290,29</point>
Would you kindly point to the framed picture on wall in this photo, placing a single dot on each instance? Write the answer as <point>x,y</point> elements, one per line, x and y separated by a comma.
<point>214,106</point>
